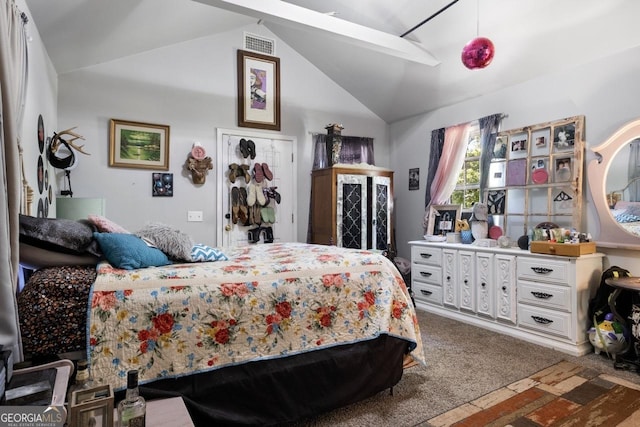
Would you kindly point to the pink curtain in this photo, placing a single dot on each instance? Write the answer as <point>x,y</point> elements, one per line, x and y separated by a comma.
<point>453,151</point>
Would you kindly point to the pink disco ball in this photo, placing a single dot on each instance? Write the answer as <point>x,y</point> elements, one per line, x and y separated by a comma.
<point>478,53</point>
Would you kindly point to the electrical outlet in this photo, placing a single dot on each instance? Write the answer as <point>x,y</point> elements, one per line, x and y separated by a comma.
<point>194,216</point>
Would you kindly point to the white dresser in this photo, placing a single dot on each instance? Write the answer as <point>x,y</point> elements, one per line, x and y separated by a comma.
<point>539,298</point>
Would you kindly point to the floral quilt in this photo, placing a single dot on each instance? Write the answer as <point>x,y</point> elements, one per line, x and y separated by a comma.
<point>266,301</point>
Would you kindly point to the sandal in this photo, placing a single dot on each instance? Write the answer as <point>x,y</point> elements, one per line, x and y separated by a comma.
<point>267,173</point>
<point>235,204</point>
<point>251,148</point>
<point>233,172</point>
<point>260,197</point>
<point>268,234</point>
<point>254,234</point>
<point>258,174</point>
<point>244,148</point>
<point>243,170</point>
<point>251,194</point>
<point>243,211</point>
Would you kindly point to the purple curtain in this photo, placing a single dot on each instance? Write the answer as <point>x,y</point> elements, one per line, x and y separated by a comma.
<point>437,142</point>
<point>355,149</point>
<point>489,127</point>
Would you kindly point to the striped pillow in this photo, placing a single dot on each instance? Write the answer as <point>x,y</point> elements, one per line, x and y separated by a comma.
<point>204,253</point>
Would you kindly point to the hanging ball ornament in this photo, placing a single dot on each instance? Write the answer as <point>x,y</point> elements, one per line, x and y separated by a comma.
<point>478,53</point>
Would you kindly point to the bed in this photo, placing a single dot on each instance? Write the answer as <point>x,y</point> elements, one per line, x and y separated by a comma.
<point>267,334</point>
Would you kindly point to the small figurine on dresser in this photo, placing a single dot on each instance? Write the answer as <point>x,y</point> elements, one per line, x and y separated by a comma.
<point>479,221</point>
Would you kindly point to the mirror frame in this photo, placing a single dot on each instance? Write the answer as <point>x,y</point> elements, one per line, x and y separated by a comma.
<point>611,235</point>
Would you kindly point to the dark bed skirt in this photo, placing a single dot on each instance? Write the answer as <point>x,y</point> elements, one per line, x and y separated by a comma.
<point>278,391</point>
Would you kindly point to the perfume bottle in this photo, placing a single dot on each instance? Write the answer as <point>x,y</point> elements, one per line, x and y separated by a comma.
<point>133,409</point>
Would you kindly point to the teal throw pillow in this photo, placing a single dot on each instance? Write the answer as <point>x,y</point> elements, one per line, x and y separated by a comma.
<point>129,251</point>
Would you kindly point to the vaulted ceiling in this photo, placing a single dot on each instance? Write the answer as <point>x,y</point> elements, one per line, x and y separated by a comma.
<point>531,37</point>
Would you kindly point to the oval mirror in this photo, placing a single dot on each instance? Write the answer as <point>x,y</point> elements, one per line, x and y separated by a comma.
<point>614,182</point>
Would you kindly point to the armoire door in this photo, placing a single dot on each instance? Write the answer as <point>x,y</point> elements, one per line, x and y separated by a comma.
<point>351,207</point>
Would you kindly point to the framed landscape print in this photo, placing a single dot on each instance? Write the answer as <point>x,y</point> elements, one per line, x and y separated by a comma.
<point>138,145</point>
<point>258,90</point>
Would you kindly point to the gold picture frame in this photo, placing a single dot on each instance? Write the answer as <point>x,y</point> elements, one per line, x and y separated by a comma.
<point>138,145</point>
<point>442,219</point>
<point>258,91</point>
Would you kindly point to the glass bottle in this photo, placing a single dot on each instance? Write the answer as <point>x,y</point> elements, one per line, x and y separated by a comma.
<point>133,409</point>
<point>82,381</point>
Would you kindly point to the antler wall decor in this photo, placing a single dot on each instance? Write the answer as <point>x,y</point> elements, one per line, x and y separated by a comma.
<point>57,140</point>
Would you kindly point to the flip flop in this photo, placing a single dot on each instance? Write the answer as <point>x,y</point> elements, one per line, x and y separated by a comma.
<point>244,148</point>
<point>260,198</point>
<point>251,148</point>
<point>251,194</point>
<point>243,212</point>
<point>258,174</point>
<point>267,173</point>
<point>235,204</point>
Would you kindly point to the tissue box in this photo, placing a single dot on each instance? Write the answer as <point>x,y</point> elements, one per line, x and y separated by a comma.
<point>563,249</point>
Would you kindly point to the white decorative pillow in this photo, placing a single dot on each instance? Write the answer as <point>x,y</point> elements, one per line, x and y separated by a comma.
<point>174,243</point>
<point>204,253</point>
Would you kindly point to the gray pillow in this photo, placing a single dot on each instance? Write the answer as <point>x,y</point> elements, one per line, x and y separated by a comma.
<point>174,243</point>
<point>59,235</point>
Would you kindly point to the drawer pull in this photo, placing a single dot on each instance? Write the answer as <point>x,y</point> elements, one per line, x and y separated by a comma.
<point>427,293</point>
<point>504,288</point>
<point>425,274</point>
<point>425,255</point>
<point>542,270</point>
<point>542,320</point>
<point>448,277</point>
<point>541,295</point>
<point>483,284</point>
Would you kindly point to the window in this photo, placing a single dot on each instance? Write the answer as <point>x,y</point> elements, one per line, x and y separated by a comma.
<point>467,190</point>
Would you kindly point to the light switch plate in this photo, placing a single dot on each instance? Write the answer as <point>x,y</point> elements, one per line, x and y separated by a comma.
<point>194,216</point>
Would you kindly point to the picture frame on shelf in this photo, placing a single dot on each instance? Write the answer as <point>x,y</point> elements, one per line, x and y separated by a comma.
<point>138,145</point>
<point>442,219</point>
<point>258,90</point>
<point>414,179</point>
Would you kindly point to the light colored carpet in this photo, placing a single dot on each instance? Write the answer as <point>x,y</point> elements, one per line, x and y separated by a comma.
<point>464,363</point>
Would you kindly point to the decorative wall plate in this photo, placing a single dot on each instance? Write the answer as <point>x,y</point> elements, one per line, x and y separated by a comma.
<point>539,176</point>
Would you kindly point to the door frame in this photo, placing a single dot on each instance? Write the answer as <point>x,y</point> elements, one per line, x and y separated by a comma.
<point>221,221</point>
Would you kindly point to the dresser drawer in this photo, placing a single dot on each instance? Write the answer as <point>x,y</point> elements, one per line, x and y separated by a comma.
<point>543,320</point>
<point>427,273</point>
<point>546,270</point>
<point>426,255</point>
<point>541,294</point>
<point>426,292</point>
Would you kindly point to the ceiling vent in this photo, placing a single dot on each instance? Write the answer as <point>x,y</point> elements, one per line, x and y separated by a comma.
<point>259,44</point>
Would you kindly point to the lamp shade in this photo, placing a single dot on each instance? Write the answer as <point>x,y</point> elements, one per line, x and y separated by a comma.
<point>79,207</point>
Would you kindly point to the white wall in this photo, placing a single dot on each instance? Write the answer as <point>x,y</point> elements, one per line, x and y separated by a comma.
<point>191,87</point>
<point>42,93</point>
<point>606,92</point>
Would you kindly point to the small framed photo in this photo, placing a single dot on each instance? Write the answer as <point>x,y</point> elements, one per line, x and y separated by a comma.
<point>414,179</point>
<point>92,407</point>
<point>138,145</point>
<point>500,147</point>
<point>442,219</point>
<point>258,90</point>
<point>162,184</point>
<point>563,170</point>
<point>564,136</point>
